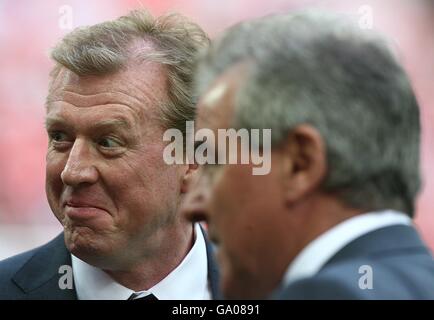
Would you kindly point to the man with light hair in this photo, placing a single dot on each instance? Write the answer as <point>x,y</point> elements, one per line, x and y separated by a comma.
<point>115,88</point>
<point>333,218</point>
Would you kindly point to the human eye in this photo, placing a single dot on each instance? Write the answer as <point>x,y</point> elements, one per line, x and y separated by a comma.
<point>58,136</point>
<point>111,145</point>
<point>109,142</point>
<point>58,139</point>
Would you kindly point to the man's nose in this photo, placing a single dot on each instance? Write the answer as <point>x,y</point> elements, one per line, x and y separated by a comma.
<point>80,167</point>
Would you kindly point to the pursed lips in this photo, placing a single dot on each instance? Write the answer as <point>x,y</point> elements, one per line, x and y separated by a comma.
<point>80,204</point>
<point>79,209</point>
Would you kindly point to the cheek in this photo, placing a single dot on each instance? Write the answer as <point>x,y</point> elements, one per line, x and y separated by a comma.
<point>231,202</point>
<point>231,224</point>
<point>144,185</point>
<point>53,181</point>
<point>242,213</point>
<point>237,273</point>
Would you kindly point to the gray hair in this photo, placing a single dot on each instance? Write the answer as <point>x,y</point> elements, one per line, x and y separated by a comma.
<point>318,69</point>
<point>108,47</point>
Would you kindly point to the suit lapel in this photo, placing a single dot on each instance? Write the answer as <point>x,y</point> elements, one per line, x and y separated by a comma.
<point>39,276</point>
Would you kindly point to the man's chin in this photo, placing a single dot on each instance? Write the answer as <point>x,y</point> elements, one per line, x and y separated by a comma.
<point>84,242</point>
<point>241,292</point>
<point>240,284</point>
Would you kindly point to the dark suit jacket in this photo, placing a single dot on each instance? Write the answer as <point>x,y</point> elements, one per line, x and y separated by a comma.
<point>35,274</point>
<point>402,268</point>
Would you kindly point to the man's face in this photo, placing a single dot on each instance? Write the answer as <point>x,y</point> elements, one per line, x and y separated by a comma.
<point>243,211</point>
<point>106,180</point>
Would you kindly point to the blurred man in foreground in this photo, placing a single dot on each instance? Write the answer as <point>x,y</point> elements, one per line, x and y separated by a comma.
<point>333,218</point>
<point>115,88</point>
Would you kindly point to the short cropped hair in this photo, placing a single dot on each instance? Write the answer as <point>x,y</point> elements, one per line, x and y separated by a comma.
<point>316,68</point>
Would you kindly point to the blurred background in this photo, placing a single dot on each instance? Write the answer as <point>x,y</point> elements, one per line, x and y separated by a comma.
<point>28,29</point>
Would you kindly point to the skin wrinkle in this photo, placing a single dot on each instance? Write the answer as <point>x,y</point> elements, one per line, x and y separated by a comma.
<point>130,128</point>
<point>138,175</point>
<point>109,99</point>
<point>118,122</point>
<point>143,69</point>
<point>136,97</point>
<point>106,97</point>
<point>133,90</point>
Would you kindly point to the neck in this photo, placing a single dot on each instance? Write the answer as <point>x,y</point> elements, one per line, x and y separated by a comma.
<point>298,225</point>
<point>150,270</point>
<point>317,216</point>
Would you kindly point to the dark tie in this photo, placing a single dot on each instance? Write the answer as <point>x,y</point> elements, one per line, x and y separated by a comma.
<point>148,297</point>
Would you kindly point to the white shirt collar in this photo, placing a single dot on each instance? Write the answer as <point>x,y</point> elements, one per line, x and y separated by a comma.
<point>314,256</point>
<point>189,280</point>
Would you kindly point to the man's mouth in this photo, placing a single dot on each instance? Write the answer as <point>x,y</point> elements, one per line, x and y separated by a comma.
<point>82,210</point>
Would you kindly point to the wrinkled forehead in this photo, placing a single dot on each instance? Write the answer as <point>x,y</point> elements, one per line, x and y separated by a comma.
<point>142,87</point>
<point>216,107</point>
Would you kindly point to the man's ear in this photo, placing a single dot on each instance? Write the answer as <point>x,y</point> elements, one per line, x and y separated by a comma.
<point>304,161</point>
<point>189,177</point>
